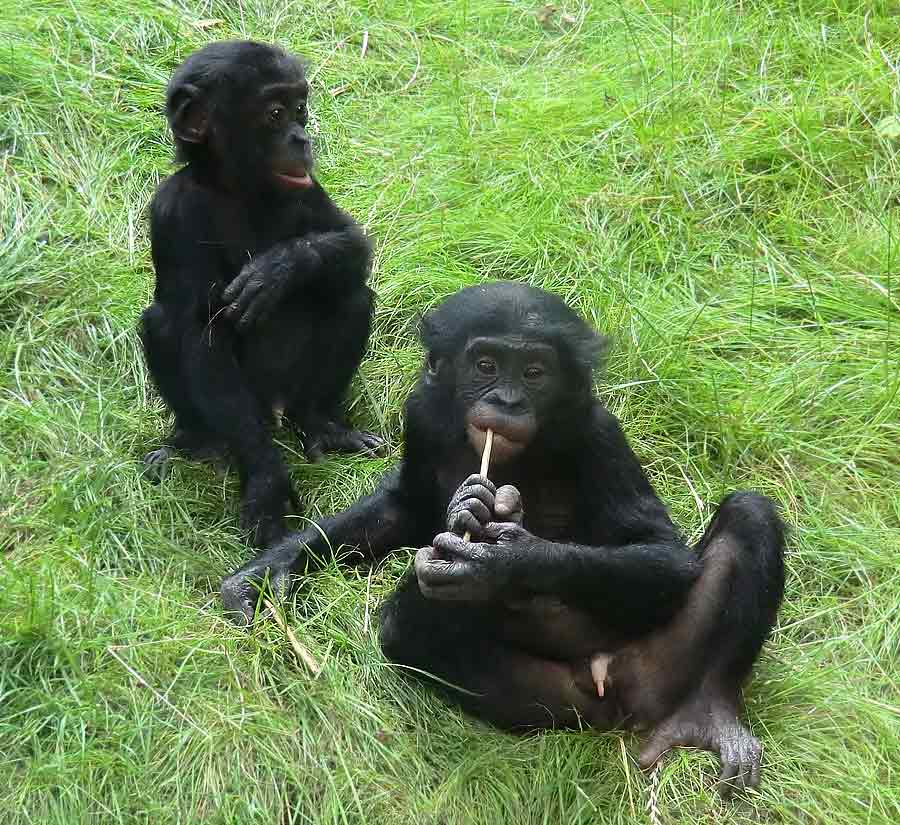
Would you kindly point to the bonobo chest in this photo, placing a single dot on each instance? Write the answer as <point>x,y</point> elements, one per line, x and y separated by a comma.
<point>246,230</point>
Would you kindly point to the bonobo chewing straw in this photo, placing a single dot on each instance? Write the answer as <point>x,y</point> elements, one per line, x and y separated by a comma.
<point>485,464</point>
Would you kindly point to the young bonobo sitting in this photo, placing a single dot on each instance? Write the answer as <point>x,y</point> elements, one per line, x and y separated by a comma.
<point>261,309</point>
<point>576,600</point>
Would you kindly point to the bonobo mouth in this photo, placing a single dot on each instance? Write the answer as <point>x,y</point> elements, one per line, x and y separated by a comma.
<point>511,434</point>
<point>297,177</point>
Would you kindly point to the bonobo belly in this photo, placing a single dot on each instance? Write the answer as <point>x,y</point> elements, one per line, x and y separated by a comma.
<point>546,627</point>
<point>281,355</point>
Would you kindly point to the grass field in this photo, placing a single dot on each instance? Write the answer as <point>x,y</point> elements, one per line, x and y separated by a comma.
<point>714,183</point>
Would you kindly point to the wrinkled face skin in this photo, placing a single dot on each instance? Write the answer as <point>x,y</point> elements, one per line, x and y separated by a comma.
<point>276,119</point>
<point>508,385</point>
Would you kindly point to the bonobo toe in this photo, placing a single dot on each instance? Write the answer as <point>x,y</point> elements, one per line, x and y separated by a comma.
<point>339,440</point>
<point>157,464</point>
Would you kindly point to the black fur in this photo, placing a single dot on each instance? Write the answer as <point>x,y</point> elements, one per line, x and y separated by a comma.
<point>261,307</point>
<point>577,563</point>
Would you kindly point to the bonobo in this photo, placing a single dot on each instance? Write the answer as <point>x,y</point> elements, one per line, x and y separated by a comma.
<point>261,311</point>
<point>576,600</point>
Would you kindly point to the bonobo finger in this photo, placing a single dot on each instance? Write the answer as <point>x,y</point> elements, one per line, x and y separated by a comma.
<point>651,752</point>
<point>250,291</point>
<point>242,591</point>
<point>462,521</point>
<point>478,492</point>
<point>441,579</point>
<point>504,532</point>
<point>239,599</point>
<point>157,464</point>
<point>476,480</point>
<point>727,778</point>
<point>431,568</point>
<point>366,443</point>
<point>754,773</point>
<point>472,505</point>
<point>508,504</point>
<point>255,313</point>
<point>450,546</point>
<point>373,443</point>
<point>234,288</point>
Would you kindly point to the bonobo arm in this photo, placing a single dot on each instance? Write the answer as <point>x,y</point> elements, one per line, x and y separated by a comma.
<point>188,256</point>
<point>331,252</point>
<point>396,515</point>
<point>630,587</point>
<point>635,576</point>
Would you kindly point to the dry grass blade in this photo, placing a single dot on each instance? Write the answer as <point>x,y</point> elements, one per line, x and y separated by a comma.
<point>485,466</point>
<point>305,657</point>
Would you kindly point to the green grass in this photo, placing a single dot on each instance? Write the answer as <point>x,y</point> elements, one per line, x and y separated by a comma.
<point>714,183</point>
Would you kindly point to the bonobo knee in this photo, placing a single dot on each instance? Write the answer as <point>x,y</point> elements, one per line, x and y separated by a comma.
<point>752,518</point>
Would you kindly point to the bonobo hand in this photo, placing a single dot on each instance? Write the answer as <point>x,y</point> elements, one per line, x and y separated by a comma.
<point>457,570</point>
<point>478,502</point>
<point>264,281</point>
<point>271,570</point>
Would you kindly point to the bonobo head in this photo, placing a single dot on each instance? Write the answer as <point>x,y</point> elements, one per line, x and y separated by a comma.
<point>238,111</point>
<point>510,358</point>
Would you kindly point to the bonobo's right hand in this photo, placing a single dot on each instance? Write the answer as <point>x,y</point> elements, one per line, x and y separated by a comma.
<point>272,571</point>
<point>478,502</point>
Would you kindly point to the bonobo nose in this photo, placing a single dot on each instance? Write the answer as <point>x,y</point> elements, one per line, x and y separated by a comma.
<point>506,400</point>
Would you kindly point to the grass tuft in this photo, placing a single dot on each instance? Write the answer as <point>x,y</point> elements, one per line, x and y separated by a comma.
<point>712,183</point>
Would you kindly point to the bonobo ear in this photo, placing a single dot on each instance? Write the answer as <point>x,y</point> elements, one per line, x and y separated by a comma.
<point>189,118</point>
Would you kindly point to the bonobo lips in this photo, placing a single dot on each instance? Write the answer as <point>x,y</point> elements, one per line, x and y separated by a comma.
<point>297,177</point>
<point>512,434</point>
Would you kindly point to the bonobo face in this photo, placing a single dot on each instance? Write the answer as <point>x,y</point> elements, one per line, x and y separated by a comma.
<point>508,385</point>
<point>279,116</point>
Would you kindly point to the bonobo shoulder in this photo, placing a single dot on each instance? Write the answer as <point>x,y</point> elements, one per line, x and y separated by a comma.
<point>180,197</point>
<point>602,424</point>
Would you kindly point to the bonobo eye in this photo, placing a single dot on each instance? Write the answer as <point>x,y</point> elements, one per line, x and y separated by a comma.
<point>486,366</point>
<point>301,113</point>
<point>275,114</point>
<point>534,371</point>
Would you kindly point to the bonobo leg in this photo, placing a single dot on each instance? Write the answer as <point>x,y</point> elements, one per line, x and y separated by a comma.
<point>685,680</point>
<point>200,380</point>
<point>487,677</point>
<point>338,344</point>
<point>189,435</point>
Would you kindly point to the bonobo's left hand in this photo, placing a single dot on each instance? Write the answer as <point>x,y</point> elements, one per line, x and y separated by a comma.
<point>263,282</point>
<point>457,570</point>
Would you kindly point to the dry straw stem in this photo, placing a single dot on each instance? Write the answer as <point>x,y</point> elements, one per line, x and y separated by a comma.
<point>485,465</point>
<point>302,653</point>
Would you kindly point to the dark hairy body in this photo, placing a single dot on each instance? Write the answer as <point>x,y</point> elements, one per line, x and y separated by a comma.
<point>576,600</point>
<point>261,312</point>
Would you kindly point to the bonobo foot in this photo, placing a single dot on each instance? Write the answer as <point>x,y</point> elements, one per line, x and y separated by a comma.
<point>710,723</point>
<point>267,498</point>
<point>334,437</point>
<point>196,445</point>
<point>270,571</point>
<point>157,464</point>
